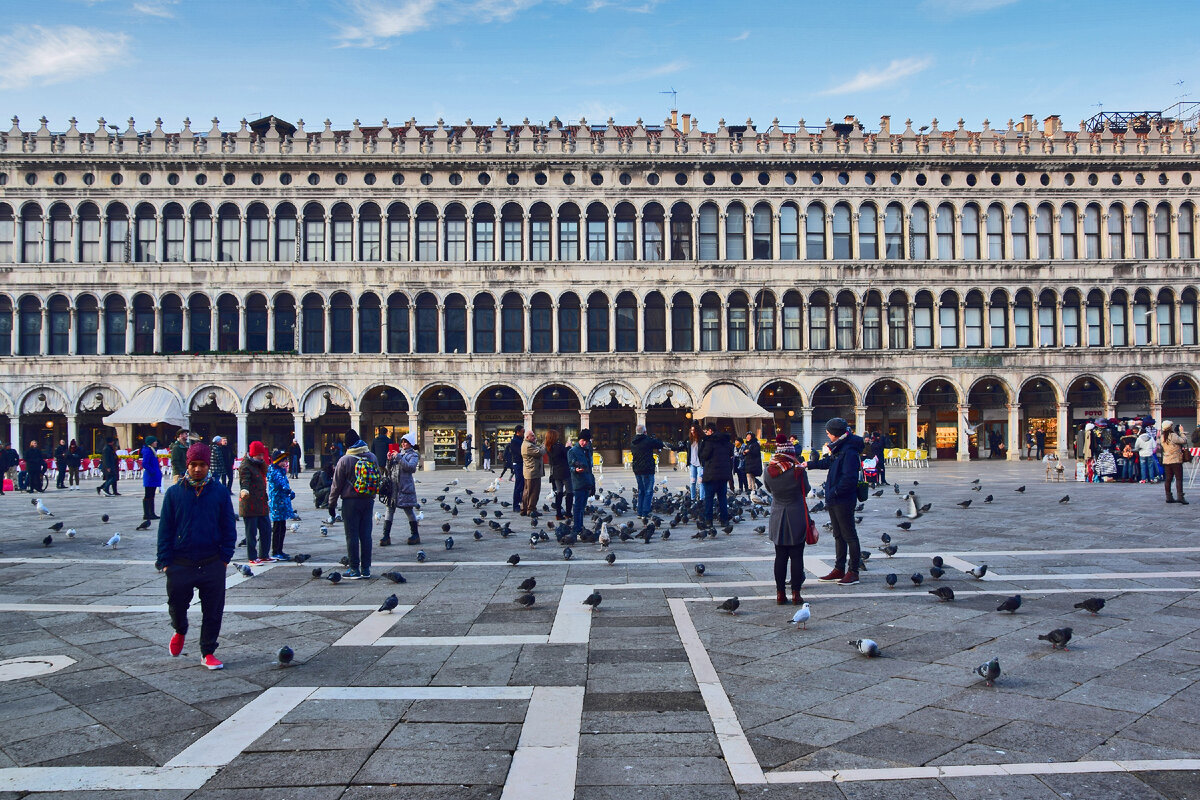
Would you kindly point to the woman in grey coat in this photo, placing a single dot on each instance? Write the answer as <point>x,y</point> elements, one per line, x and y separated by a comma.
<point>400,468</point>
<point>787,481</point>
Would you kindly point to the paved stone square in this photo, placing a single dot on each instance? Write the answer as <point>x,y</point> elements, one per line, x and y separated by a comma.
<point>460,693</point>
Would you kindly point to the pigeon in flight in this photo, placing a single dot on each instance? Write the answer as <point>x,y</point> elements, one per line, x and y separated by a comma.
<point>1092,604</point>
<point>593,600</point>
<point>395,577</point>
<point>284,656</point>
<point>944,593</point>
<point>1011,604</point>
<point>730,605</point>
<point>1057,638</point>
<point>802,616</point>
<point>113,541</point>
<point>867,647</point>
<point>526,600</point>
<point>978,572</point>
<point>989,671</point>
<point>389,605</point>
<point>528,584</point>
<point>514,559</point>
<point>890,580</point>
<point>917,578</point>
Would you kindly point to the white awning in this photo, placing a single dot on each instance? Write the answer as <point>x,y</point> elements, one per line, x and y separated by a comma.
<point>149,407</point>
<point>726,400</point>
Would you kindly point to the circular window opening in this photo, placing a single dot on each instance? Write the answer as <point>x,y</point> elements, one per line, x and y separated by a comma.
<point>1092,179</point>
<point>426,178</point>
<point>143,179</point>
<point>1020,179</point>
<point>1044,179</point>
<point>995,179</point>
<point>313,179</point>
<point>369,179</point>
<point>88,179</point>
<point>341,179</point>
<point>540,179</point>
<point>1116,179</point>
<point>597,179</point>
<point>625,179</point>
<point>257,179</point>
<point>173,178</point>
<point>285,178</point>
<point>30,178</point>
<point>709,179</point>
<point>569,178</point>
<point>1162,179</point>
<point>201,179</point>
<point>483,178</point>
<point>1186,178</point>
<point>736,179</point>
<point>397,178</point>
<point>817,179</point>
<point>117,179</point>
<point>972,180</point>
<point>789,178</point>
<point>869,179</point>
<point>455,179</point>
<point>4,178</point>
<point>921,179</point>
<point>1139,179</point>
<point>764,178</point>
<point>680,178</point>
<point>512,179</point>
<point>895,179</point>
<point>1069,179</point>
<point>843,178</point>
<point>653,179</point>
<point>228,178</point>
<point>60,178</point>
<point>945,180</point>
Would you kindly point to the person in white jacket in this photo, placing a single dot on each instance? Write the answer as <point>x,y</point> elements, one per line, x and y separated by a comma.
<point>1145,445</point>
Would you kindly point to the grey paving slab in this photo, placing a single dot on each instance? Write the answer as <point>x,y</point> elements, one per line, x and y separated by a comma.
<point>643,771</point>
<point>292,768</point>
<point>449,767</point>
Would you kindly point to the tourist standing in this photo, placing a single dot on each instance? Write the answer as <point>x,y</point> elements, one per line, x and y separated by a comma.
<point>380,445</point>
<point>583,483</point>
<point>74,461</point>
<point>109,468</point>
<point>716,459</point>
<point>752,456</point>
<point>60,464</point>
<point>695,470</point>
<point>151,481</point>
<point>643,448</point>
<point>178,450</point>
<point>356,506</point>
<point>841,496</point>
<point>279,503</point>
<point>532,470</point>
<point>560,474</point>
<point>35,467</point>
<point>294,454</point>
<point>218,459</point>
<point>468,449</point>
<point>402,464</point>
<point>487,451</point>
<point>787,481</point>
<point>1173,442</point>
<point>512,457</point>
<point>253,507</point>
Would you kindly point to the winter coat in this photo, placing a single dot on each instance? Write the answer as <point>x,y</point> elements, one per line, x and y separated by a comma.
<point>75,458</point>
<point>151,470</point>
<point>196,525</point>
<point>716,457</point>
<point>400,469</point>
<point>560,473</point>
<point>35,460</point>
<point>218,460</point>
<point>379,446</point>
<point>843,463</point>
<point>512,452</point>
<point>279,494</point>
<point>644,446</point>
<point>252,478</point>
<point>60,456</point>
<point>787,481</point>
<point>753,453</point>
<point>343,473</point>
<point>531,459</point>
<point>1172,445</point>
<point>179,457</point>
<point>580,456</point>
<point>1145,445</point>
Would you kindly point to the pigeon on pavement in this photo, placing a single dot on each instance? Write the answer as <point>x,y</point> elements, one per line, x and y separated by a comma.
<point>867,647</point>
<point>395,577</point>
<point>890,580</point>
<point>964,504</point>
<point>1092,604</point>
<point>730,605</point>
<point>1010,604</point>
<point>978,572</point>
<point>245,570</point>
<point>1057,637</point>
<point>334,577</point>
<point>526,600</point>
<point>944,593</point>
<point>593,600</point>
<point>389,605</point>
<point>421,556</point>
<point>528,584</point>
<point>1066,498</point>
<point>58,526</point>
<point>49,540</point>
<point>514,559</point>
<point>317,572</point>
<point>611,558</point>
<point>699,569</point>
<point>285,656</point>
<point>989,671</point>
<point>1021,489</point>
<point>917,578</point>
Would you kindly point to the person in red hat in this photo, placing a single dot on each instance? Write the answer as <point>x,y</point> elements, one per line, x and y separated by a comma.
<point>253,506</point>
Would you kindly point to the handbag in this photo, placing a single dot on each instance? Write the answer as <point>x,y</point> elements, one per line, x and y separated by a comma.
<point>863,491</point>
<point>811,534</point>
<point>1187,455</point>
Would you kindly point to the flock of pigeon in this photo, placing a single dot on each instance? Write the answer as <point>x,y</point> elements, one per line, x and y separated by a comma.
<point>48,540</point>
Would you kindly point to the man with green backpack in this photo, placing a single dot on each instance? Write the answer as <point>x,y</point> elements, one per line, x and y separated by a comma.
<point>356,481</point>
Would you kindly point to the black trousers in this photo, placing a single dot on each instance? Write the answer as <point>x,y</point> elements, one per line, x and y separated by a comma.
<point>845,536</point>
<point>61,479</point>
<point>278,531</point>
<point>182,583</point>
<point>148,502</point>
<point>562,489</point>
<point>783,554</point>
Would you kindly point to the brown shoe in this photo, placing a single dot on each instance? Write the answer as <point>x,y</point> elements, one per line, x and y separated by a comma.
<point>850,579</point>
<point>836,575</point>
<point>780,598</point>
<point>797,600</point>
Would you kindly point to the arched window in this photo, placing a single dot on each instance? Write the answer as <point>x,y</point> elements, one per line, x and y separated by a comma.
<point>597,233</point>
<point>541,329</point>
<point>568,234</point>
<point>789,232</point>
<point>172,323</point>
<point>845,322</point>
<point>31,234</point>
<point>87,331</point>
<point>146,232</point>
<point>738,311</point>
<point>681,232</point>
<point>539,233</point>
<point>764,321</point>
<point>8,236</point>
<point>1187,243</point>
<point>285,233</point>
<point>841,231</point>
<point>456,236</point>
<point>682,316</point>
<point>1138,230</point>
<point>256,323</point>
<point>227,323</point>
<point>898,320</point>
<point>60,325</point>
<point>427,235</point>
<point>654,330</point>
<point>872,321</point>
<point>1116,230</point>
<point>1047,329</point>
<point>512,231</point>
<point>1162,231</point>
<point>597,323</point>
<point>313,323</point>
<point>814,232</point>
<point>948,320</point>
<point>229,233</point>
<point>314,232</point>
<point>398,318</point>
<point>1094,316</point>
<point>761,231</point>
<point>29,326</point>
<point>370,233</point>
<point>174,245</point>
<point>60,234</point>
<point>710,322</point>
<point>970,232</point>
<point>626,339</point>
<point>118,234</point>
<point>868,232</point>
<point>455,334</point>
<point>708,232</point>
<point>652,231</point>
<point>893,232</point>
<point>1118,318</point>
<point>398,234</point>
<point>1141,318</point>
<point>1072,303</point>
<point>945,232</point>
<point>6,326</point>
<point>1045,226</point>
<point>818,321</point>
<point>1020,232</point>
<point>89,234</point>
<point>923,320</point>
<point>285,323</point>
<point>1091,232</point>
<point>569,323</point>
<point>920,232</point>
<point>370,324</point>
<point>995,232</point>
<point>143,324</point>
<point>973,320</point>
<point>998,320</point>
<point>115,322</point>
<point>1164,313</point>
<point>1068,228</point>
<point>735,232</point>
<point>341,323</point>
<point>483,227</point>
<point>793,320</point>
<point>512,324</point>
<point>1187,318</point>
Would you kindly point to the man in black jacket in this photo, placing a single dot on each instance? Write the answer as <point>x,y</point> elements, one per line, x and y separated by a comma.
<point>379,446</point>
<point>60,464</point>
<point>644,446</point>
<point>109,468</point>
<point>841,496</point>
<point>512,457</point>
<point>716,458</point>
<point>35,467</point>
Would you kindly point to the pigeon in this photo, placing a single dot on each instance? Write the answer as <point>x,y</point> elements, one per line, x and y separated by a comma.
<point>976,488</point>
<point>978,572</point>
<point>514,559</point>
<point>802,616</point>
<point>104,517</point>
<point>611,558</point>
<point>528,584</point>
<point>989,671</point>
<point>964,504</point>
<point>478,536</point>
<point>938,562</point>
<point>421,556</point>
<point>975,482</point>
<point>300,558</point>
<point>317,572</point>
<point>58,526</point>
<point>1092,604</point>
<point>944,593</point>
<point>926,507</point>
<point>906,525</point>
<point>867,647</point>
<point>699,569</point>
<point>877,494</point>
<point>886,538</point>
<point>567,553</point>
<point>936,573</point>
<point>144,525</point>
<point>593,600</point>
<point>526,600</point>
<point>449,542</point>
<point>1011,604</point>
<point>890,580</point>
<point>730,605</point>
<point>113,541</point>
<point>1021,489</point>
<point>1057,638</point>
<point>284,656</point>
<point>324,530</point>
<point>896,488</point>
<point>49,540</point>
<point>389,605</point>
<point>41,508</point>
<point>818,507</point>
<point>916,483</point>
<point>445,527</point>
<point>334,577</point>
<point>344,561</point>
<point>70,533</point>
<point>889,549</point>
<point>917,578</point>
<point>1066,498</point>
<point>988,499</point>
<point>395,577</point>
<point>245,570</point>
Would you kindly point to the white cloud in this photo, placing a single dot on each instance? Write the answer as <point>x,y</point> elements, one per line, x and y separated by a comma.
<point>502,10</point>
<point>960,8</point>
<point>42,55</point>
<point>866,80</point>
<point>156,8</point>
<point>741,37</point>
<point>634,6</point>
<point>377,21</point>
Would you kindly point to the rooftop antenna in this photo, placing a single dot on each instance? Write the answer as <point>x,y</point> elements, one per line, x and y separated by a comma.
<point>673,93</point>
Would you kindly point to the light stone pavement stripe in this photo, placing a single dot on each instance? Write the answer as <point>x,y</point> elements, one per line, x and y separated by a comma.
<point>1087,576</point>
<point>735,747</point>
<point>161,609</point>
<point>79,779</point>
<point>547,756</point>
<point>421,692</point>
<point>981,770</point>
<point>370,629</point>
<point>223,743</point>
<point>921,593</point>
<point>959,564</point>
<point>572,620</point>
<point>459,641</point>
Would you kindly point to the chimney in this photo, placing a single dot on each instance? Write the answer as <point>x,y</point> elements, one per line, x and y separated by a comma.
<point>674,119</point>
<point>687,124</point>
<point>1029,127</point>
<point>885,124</point>
<point>1051,125</point>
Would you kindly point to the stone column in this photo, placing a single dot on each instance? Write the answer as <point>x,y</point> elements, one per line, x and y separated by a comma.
<point>860,420</point>
<point>271,327</point>
<point>554,237</point>
<point>640,414</point>
<point>354,340</point>
<point>554,326</point>
<point>440,254</point>
<point>585,417</point>
<point>298,429</point>
<point>44,344</point>
<point>775,237</point>
<point>72,428</point>
<point>720,236</point>
<point>241,327</point>
<point>964,440</point>
<point>242,440</point>
<point>639,234</point>
<point>159,339</point>
<point>328,328</point>
<point>14,432</point>
<point>475,462</point>
<point>527,419</point>
<point>1061,445</point>
<point>855,247</point>
<point>806,413</point>
<point>911,444</point>
<point>185,329</point>
<point>328,255</point>
<point>72,329</point>
<point>356,422</point>
<point>525,341</point>
<point>1014,432</point>
<point>129,329</point>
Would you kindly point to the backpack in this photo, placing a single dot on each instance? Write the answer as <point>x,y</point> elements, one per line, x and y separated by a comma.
<point>366,477</point>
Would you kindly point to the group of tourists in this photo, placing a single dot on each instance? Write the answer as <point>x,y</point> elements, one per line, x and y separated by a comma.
<point>1136,451</point>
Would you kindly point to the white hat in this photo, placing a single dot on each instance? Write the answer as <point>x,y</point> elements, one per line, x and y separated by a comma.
<point>1089,427</point>
<point>410,437</point>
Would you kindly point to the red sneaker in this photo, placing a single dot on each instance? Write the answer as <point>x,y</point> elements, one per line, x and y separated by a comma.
<point>850,579</point>
<point>836,575</point>
<point>176,644</point>
<point>212,662</point>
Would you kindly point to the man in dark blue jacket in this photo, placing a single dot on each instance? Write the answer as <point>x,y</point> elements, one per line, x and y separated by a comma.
<point>841,496</point>
<point>196,537</point>
<point>583,483</point>
<point>716,457</point>
<point>643,447</point>
<point>512,457</point>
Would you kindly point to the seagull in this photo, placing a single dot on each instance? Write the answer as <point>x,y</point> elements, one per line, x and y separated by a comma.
<point>867,647</point>
<point>989,671</point>
<point>944,593</point>
<point>1011,604</point>
<point>1057,638</point>
<point>802,616</point>
<point>978,572</point>
<point>41,508</point>
<point>113,542</point>
<point>1092,604</point>
<point>730,605</point>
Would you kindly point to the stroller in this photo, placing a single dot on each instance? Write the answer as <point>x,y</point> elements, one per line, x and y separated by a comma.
<point>870,468</point>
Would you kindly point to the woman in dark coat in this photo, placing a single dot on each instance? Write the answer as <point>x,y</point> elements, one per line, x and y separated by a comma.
<point>560,474</point>
<point>754,464</point>
<point>402,463</point>
<point>787,481</point>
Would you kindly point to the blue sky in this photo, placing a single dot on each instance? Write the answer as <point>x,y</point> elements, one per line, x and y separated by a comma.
<point>483,59</point>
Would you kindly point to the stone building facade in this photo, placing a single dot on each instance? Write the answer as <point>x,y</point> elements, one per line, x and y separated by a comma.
<point>955,288</point>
